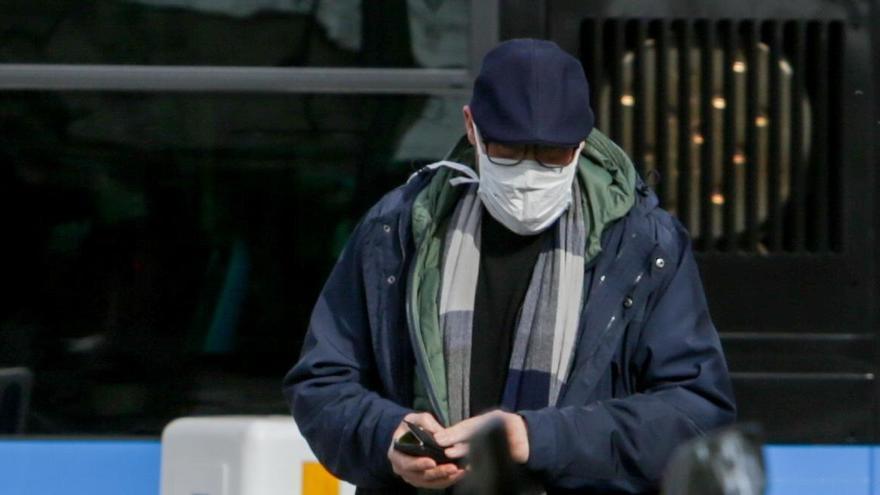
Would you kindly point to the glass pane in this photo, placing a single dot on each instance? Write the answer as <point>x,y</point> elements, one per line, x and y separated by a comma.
<point>166,249</point>
<point>268,33</point>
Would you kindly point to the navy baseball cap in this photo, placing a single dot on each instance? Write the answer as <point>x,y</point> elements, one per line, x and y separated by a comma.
<point>532,92</point>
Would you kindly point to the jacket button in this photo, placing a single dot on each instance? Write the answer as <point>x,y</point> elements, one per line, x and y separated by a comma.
<point>391,279</point>
<point>386,228</point>
<point>659,262</point>
<point>628,302</point>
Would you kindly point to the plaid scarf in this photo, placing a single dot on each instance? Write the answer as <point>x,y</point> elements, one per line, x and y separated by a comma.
<point>547,326</point>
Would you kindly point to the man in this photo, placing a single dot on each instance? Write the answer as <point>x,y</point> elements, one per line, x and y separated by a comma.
<point>530,277</point>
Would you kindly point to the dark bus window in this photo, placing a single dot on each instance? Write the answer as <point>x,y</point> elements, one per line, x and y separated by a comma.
<point>162,252</point>
<point>266,33</point>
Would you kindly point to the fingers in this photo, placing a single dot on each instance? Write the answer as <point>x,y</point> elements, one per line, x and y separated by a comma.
<point>424,472</point>
<point>457,451</point>
<point>460,432</point>
<point>441,477</point>
<point>406,464</point>
<point>440,472</point>
<point>425,420</point>
<point>448,481</point>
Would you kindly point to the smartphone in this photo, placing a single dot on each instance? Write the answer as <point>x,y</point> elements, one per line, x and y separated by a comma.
<point>419,442</point>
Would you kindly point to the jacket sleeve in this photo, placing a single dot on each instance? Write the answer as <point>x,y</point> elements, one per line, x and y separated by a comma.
<point>684,390</point>
<point>331,390</point>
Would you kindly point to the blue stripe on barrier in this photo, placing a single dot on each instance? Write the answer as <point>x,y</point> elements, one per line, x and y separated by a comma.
<point>820,469</point>
<point>79,467</point>
<point>113,467</point>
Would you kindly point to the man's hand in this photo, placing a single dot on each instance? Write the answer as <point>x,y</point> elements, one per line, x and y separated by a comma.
<point>422,472</point>
<point>457,437</point>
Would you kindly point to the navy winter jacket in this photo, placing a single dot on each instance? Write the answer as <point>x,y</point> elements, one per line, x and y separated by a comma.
<point>648,371</point>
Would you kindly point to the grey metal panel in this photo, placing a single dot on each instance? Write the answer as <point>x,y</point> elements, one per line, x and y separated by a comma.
<point>15,396</point>
<point>484,34</point>
<point>233,79</point>
<point>485,29</point>
<point>523,19</point>
<point>800,336</point>
<point>774,33</point>
<point>786,293</point>
<point>772,375</point>
<point>563,14</point>
<point>811,357</point>
<point>815,409</point>
<point>872,178</point>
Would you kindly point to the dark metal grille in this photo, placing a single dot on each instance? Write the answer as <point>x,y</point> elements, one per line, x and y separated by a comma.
<point>733,117</point>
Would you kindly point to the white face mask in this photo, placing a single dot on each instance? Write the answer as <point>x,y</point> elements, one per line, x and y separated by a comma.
<point>527,197</point>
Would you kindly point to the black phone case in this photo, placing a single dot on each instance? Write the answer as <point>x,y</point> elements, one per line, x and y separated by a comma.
<point>426,446</point>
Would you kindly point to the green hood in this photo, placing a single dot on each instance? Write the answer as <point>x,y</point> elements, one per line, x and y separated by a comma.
<point>607,177</point>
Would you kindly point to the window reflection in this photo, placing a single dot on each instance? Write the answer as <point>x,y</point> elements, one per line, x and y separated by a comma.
<point>166,250</point>
<point>274,33</point>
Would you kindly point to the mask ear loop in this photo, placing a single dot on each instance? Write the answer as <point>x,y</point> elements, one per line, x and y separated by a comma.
<point>577,154</point>
<point>471,175</point>
<point>479,141</point>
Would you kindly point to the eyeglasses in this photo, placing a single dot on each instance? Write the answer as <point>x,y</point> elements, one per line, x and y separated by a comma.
<point>513,154</point>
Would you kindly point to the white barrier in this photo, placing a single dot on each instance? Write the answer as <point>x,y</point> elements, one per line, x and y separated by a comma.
<point>242,455</point>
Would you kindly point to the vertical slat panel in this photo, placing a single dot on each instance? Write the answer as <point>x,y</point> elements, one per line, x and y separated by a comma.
<point>751,45</point>
<point>773,32</point>
<point>797,49</point>
<point>730,196</point>
<point>661,151</point>
<point>707,32</point>
<point>685,37</point>
<point>801,221</point>
<point>597,75</point>
<point>588,27</point>
<point>834,170</point>
<point>617,33</point>
<point>820,137</point>
<point>641,96</point>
